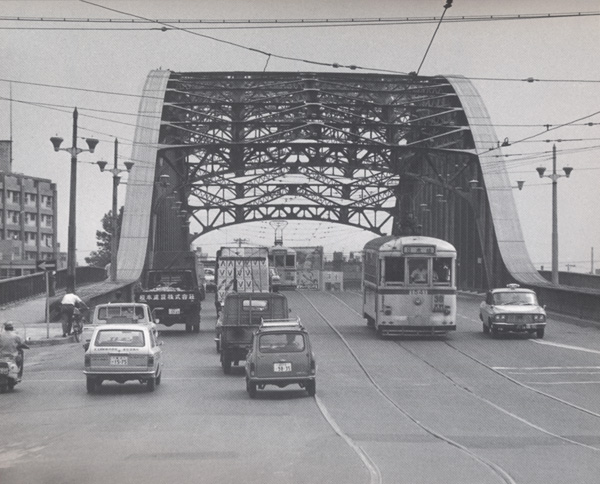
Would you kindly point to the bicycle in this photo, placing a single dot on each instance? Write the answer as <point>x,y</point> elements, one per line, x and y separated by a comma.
<point>77,326</point>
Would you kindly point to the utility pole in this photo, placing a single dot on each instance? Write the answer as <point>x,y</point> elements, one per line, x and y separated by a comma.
<point>240,241</point>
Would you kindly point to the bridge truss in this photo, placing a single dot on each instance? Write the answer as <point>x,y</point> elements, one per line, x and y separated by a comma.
<point>384,153</point>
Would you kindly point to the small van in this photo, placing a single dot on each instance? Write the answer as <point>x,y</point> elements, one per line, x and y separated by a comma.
<point>119,313</point>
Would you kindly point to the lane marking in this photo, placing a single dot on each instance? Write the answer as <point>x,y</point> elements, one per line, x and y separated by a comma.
<point>508,368</point>
<point>564,383</point>
<point>566,347</point>
<point>374,473</point>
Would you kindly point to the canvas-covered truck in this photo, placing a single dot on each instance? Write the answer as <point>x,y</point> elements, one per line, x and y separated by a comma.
<point>241,316</point>
<point>172,290</point>
<point>241,269</point>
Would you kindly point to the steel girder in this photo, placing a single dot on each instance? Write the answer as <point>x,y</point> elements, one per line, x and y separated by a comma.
<point>377,152</point>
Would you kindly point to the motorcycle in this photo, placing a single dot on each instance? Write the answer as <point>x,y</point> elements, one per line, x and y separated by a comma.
<point>11,369</point>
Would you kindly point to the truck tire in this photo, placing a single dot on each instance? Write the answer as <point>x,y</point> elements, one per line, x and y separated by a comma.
<point>226,364</point>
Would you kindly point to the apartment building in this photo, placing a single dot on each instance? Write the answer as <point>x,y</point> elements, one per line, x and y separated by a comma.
<point>28,225</point>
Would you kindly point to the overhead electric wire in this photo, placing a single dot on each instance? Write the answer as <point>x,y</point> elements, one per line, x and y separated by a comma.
<point>305,22</point>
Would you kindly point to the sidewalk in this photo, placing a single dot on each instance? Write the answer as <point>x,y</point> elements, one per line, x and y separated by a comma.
<point>28,318</point>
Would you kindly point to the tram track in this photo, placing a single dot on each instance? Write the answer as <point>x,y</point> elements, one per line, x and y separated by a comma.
<point>489,402</point>
<point>493,467</point>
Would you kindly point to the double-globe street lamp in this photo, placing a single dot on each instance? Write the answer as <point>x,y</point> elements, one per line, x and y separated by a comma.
<point>115,171</point>
<point>73,151</point>
<point>554,177</point>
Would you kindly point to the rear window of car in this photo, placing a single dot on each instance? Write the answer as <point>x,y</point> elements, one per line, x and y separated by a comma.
<point>118,337</point>
<point>281,343</point>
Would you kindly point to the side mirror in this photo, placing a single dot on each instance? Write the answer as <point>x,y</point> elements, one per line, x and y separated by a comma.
<point>157,321</point>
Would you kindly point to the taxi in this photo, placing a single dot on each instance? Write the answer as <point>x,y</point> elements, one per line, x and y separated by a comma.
<point>512,309</point>
<point>123,352</point>
<point>281,355</point>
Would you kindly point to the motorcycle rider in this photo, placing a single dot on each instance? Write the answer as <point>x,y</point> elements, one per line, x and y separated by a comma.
<point>69,302</point>
<point>11,344</point>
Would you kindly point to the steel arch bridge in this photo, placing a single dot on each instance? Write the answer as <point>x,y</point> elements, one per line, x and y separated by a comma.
<point>384,153</point>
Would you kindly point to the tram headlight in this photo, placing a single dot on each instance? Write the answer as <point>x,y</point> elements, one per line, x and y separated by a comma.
<point>387,310</point>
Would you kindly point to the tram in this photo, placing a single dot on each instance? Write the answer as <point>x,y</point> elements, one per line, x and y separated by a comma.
<point>409,285</point>
<point>282,260</point>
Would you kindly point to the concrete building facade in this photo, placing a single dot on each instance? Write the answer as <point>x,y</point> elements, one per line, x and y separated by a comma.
<point>28,219</point>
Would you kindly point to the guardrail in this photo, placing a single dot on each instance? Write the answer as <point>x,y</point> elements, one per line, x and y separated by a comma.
<point>23,287</point>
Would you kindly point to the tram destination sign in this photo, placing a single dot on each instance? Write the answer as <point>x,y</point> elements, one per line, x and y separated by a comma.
<point>418,250</point>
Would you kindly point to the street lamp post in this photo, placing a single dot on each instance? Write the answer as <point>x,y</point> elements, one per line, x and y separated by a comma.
<point>73,151</point>
<point>554,177</point>
<point>115,216</point>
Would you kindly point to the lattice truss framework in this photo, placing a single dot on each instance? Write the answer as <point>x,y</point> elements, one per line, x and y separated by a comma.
<point>361,150</point>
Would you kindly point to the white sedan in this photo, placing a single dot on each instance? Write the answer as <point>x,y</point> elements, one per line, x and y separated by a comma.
<point>123,352</point>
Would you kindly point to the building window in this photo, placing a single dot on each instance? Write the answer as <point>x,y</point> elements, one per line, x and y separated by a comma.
<point>31,218</point>
<point>30,255</point>
<point>14,197</point>
<point>13,217</point>
<point>46,201</point>
<point>30,238</point>
<point>46,240</point>
<point>31,199</point>
<point>46,220</point>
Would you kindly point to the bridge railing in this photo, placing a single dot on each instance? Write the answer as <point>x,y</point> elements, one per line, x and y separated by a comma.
<point>24,287</point>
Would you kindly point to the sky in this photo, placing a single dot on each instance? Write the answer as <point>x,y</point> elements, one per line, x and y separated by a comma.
<point>49,67</point>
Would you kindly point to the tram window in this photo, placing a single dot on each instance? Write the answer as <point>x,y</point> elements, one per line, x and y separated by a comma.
<point>279,260</point>
<point>290,261</point>
<point>418,270</point>
<point>394,269</point>
<point>442,272</point>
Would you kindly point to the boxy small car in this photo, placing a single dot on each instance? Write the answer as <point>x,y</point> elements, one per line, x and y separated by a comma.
<point>123,352</point>
<point>118,313</point>
<point>512,309</point>
<point>281,355</point>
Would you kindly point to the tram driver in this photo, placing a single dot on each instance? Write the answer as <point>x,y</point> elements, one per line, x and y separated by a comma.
<point>419,273</point>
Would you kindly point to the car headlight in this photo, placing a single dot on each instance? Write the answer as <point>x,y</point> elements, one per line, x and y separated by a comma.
<point>499,317</point>
<point>539,317</point>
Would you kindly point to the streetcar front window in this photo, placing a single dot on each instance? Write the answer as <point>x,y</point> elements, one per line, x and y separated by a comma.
<point>394,270</point>
<point>417,268</point>
<point>442,270</point>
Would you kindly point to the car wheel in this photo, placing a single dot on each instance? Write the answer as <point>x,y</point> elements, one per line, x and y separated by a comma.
<point>159,378</point>
<point>370,320</point>
<point>91,384</point>
<point>151,384</point>
<point>540,333</point>
<point>251,388</point>
<point>311,388</point>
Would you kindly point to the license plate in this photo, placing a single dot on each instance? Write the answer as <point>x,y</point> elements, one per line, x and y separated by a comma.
<point>174,311</point>
<point>118,360</point>
<point>282,367</point>
<point>3,371</point>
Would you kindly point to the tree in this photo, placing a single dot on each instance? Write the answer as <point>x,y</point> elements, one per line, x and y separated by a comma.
<point>101,257</point>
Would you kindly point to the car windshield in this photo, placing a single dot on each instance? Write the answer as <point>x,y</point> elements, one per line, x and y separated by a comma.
<point>120,337</point>
<point>281,343</point>
<point>508,297</point>
<point>115,314</point>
